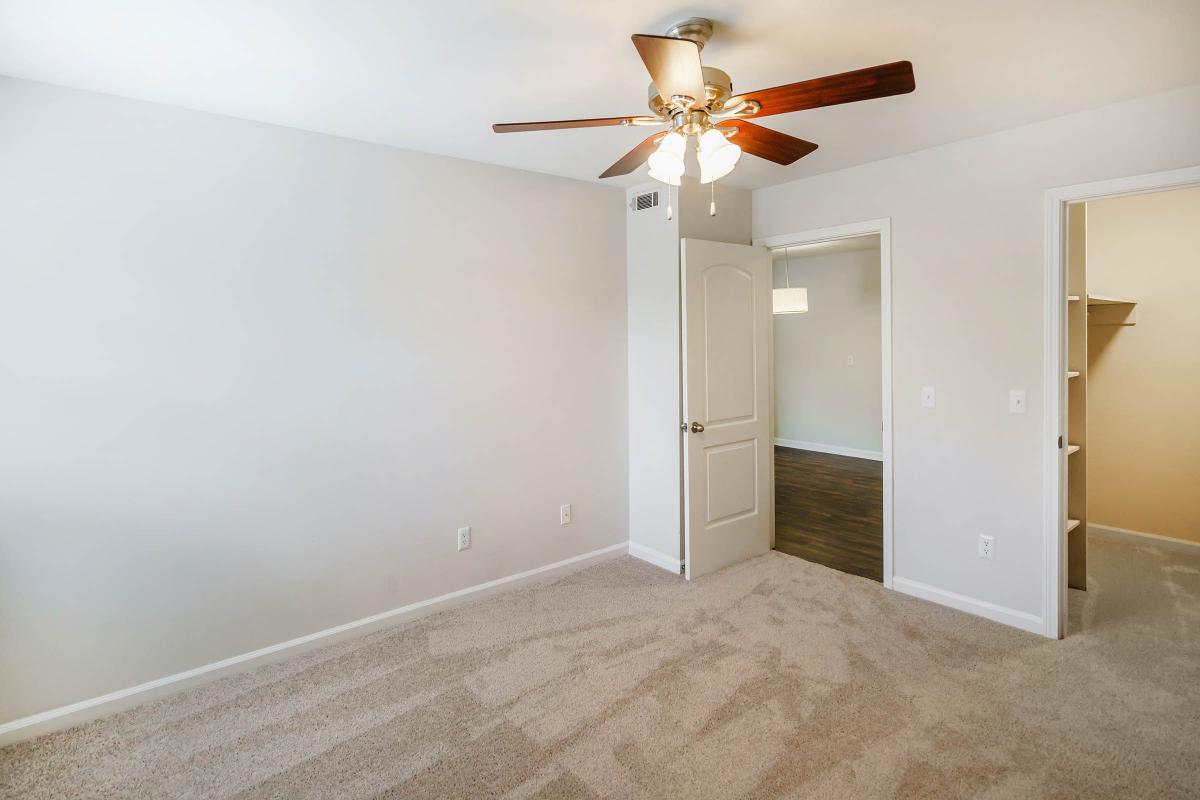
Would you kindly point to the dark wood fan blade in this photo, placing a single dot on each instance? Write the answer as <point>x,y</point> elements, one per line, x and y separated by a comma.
<point>518,127</point>
<point>634,158</point>
<point>847,87</point>
<point>766,143</point>
<point>673,64</point>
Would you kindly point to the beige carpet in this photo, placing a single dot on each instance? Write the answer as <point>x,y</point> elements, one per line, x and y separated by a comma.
<point>776,678</point>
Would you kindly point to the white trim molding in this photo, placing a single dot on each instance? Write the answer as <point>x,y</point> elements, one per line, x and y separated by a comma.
<point>882,228</point>
<point>655,557</point>
<point>1054,365</point>
<point>980,608</point>
<point>1140,537</point>
<point>92,708</point>
<point>833,449</point>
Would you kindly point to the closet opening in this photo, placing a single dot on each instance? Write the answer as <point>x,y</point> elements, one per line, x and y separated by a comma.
<point>1129,389</point>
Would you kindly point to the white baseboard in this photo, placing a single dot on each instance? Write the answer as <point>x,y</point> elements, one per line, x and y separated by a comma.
<point>655,557</point>
<point>93,708</point>
<point>980,608</point>
<point>1155,539</point>
<point>834,449</point>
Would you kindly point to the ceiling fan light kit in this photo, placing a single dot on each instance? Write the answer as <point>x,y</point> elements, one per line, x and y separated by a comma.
<point>667,160</point>
<point>662,177</point>
<point>695,100</point>
<point>717,155</point>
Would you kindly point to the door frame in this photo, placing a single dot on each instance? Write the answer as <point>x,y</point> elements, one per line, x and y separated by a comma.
<point>1054,361</point>
<point>882,228</point>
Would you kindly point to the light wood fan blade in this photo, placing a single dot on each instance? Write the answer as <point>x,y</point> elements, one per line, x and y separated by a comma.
<point>554,125</point>
<point>847,87</point>
<point>673,64</point>
<point>766,143</point>
<point>634,158</point>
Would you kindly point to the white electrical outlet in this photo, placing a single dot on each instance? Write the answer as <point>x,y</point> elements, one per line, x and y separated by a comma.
<point>564,514</point>
<point>849,361</point>
<point>987,546</point>
<point>1016,401</point>
<point>464,538</point>
<point>927,396</point>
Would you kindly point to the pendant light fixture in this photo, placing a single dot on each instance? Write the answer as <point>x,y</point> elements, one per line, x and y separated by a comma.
<point>789,300</point>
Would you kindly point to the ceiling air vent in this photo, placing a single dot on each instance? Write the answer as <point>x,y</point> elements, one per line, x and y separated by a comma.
<point>645,201</point>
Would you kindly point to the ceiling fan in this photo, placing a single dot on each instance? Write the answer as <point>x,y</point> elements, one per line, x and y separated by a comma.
<point>694,100</point>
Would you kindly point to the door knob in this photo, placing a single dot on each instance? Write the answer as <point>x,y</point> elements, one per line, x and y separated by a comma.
<point>697,427</point>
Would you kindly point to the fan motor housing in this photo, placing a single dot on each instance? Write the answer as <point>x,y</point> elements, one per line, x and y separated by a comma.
<point>718,87</point>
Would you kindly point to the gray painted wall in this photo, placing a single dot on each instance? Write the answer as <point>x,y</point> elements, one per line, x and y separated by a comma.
<point>252,379</point>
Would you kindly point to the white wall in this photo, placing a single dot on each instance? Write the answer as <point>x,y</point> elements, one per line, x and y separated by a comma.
<point>655,448</point>
<point>252,379</point>
<point>653,319</point>
<point>967,263</point>
<point>733,218</point>
<point>820,397</point>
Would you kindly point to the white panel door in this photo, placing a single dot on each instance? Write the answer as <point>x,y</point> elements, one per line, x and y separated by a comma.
<point>728,466</point>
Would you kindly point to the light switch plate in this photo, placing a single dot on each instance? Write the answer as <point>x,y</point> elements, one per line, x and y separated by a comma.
<point>927,396</point>
<point>564,514</point>
<point>1016,401</point>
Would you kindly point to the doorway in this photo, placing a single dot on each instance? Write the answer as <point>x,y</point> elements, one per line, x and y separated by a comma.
<point>828,400</point>
<point>727,423</point>
<point>831,388</point>
<point>1108,294</point>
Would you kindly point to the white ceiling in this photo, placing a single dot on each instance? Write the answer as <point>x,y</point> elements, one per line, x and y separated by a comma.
<point>433,76</point>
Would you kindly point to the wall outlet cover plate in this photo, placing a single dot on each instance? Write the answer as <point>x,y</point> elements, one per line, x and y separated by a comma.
<point>987,547</point>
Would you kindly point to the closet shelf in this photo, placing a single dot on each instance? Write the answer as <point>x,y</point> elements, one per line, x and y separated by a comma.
<point>1072,449</point>
<point>1073,374</point>
<point>1105,300</point>
<point>1072,524</point>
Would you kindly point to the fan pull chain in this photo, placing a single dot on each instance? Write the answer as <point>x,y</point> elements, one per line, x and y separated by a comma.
<point>712,206</point>
<point>670,212</point>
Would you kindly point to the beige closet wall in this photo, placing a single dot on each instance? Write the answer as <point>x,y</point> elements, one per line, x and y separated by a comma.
<point>1144,380</point>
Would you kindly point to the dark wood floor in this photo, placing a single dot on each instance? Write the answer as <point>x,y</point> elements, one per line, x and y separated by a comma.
<point>829,509</point>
